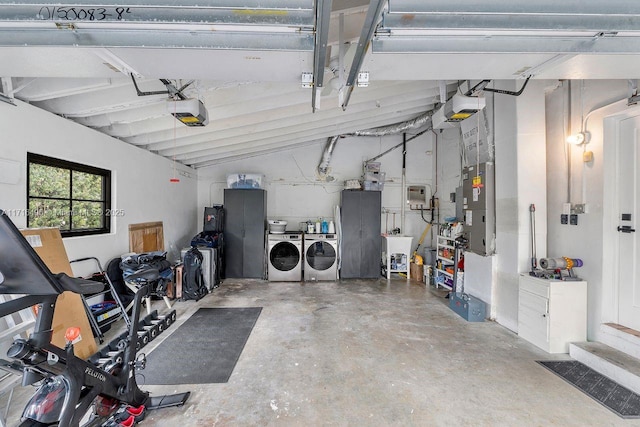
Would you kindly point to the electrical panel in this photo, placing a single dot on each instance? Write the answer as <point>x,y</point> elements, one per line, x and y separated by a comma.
<point>417,197</point>
<point>478,194</point>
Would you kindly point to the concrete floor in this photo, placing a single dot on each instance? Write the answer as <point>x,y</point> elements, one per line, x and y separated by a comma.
<point>373,353</point>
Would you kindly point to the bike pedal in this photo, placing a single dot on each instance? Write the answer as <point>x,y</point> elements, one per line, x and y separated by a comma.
<point>130,421</point>
<point>127,412</point>
<point>140,363</point>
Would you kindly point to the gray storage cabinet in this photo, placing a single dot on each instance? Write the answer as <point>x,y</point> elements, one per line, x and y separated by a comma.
<point>361,241</point>
<point>244,232</point>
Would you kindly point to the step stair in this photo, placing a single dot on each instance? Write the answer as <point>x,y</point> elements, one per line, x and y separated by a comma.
<point>621,338</point>
<point>610,362</point>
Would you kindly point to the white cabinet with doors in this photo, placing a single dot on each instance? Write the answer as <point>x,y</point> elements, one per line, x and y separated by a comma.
<point>552,313</point>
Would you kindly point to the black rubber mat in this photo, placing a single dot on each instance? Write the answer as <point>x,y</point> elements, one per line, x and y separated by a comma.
<point>615,397</point>
<point>203,350</point>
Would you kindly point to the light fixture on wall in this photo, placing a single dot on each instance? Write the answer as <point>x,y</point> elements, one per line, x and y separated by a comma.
<point>578,138</point>
<point>581,139</point>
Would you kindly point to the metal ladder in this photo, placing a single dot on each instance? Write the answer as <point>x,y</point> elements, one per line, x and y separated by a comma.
<point>120,310</point>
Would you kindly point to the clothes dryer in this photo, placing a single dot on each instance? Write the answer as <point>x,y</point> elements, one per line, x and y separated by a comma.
<point>320,257</point>
<point>284,257</point>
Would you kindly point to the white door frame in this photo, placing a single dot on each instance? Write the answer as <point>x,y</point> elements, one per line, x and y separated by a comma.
<point>610,199</point>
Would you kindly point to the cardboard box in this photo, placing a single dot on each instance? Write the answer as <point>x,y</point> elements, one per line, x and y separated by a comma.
<point>417,272</point>
<point>70,310</point>
<point>146,237</point>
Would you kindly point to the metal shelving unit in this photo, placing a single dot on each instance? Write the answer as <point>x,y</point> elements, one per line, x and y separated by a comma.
<point>446,259</point>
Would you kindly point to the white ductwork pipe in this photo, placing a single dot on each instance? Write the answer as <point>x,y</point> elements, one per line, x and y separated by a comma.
<point>394,129</point>
<point>327,153</point>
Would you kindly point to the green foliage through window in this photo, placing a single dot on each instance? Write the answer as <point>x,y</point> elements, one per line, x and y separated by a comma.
<point>74,197</point>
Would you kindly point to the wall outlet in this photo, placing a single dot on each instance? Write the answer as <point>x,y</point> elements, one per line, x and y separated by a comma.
<point>579,208</point>
<point>564,219</point>
<point>573,219</point>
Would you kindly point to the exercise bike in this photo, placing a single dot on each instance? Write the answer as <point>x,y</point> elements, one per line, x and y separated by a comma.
<point>72,391</point>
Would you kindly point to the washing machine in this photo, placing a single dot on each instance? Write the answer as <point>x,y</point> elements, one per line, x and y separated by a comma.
<point>320,257</point>
<point>285,257</point>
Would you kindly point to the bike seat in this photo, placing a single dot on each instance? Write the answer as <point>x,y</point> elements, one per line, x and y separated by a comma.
<point>148,274</point>
<point>78,285</point>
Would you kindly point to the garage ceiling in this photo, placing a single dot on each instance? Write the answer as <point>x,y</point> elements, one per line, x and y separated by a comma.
<point>245,61</point>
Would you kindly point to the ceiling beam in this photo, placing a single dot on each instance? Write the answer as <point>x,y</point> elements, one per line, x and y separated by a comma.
<point>323,15</point>
<point>495,26</point>
<point>598,44</point>
<point>103,100</point>
<point>155,38</point>
<point>549,7</point>
<point>368,28</point>
<point>44,89</point>
<point>510,21</point>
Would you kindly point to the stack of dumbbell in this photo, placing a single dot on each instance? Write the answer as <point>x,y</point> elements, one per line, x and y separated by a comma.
<point>148,329</point>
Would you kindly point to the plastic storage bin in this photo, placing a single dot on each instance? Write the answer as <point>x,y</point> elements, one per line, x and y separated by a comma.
<point>245,180</point>
<point>375,176</point>
<point>372,186</point>
<point>372,167</point>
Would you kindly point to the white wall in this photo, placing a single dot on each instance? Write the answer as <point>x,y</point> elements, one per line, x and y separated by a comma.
<point>585,240</point>
<point>140,180</point>
<point>520,182</point>
<point>295,194</point>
